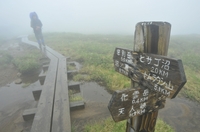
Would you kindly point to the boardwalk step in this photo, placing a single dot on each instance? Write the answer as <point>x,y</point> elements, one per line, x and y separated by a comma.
<point>77,105</point>
<point>29,114</point>
<point>45,62</point>
<point>71,73</point>
<point>75,87</point>
<point>45,67</point>
<point>42,77</point>
<point>36,94</point>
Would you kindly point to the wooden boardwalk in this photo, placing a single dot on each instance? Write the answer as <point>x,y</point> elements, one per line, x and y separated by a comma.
<point>53,110</point>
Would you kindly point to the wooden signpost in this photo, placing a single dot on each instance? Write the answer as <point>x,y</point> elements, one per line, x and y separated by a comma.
<point>158,73</point>
<point>157,77</point>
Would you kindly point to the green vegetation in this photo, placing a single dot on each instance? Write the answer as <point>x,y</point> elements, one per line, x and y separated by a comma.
<point>187,49</point>
<point>109,125</point>
<point>74,97</point>
<point>5,59</point>
<point>28,62</point>
<point>161,126</point>
<point>95,52</point>
<point>26,85</point>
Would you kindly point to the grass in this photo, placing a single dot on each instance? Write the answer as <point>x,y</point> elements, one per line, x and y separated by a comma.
<point>26,85</point>
<point>108,125</point>
<point>161,126</point>
<point>95,52</point>
<point>186,47</point>
<point>28,61</point>
<point>74,97</point>
<point>5,59</point>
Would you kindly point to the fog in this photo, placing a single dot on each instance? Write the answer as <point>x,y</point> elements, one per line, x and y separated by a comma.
<point>98,16</point>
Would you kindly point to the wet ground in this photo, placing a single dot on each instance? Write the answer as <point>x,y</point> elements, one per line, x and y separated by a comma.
<point>96,99</point>
<point>14,99</point>
<point>181,114</point>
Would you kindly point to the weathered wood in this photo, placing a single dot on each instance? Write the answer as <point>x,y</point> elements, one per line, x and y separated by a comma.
<point>36,94</point>
<point>61,121</point>
<point>53,107</point>
<point>150,37</point>
<point>42,77</point>
<point>43,116</point>
<point>46,62</point>
<point>75,87</point>
<point>45,67</point>
<point>159,73</point>
<point>29,114</point>
<point>77,105</point>
<point>128,103</point>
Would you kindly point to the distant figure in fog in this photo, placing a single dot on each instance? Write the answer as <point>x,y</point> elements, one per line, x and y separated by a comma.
<point>36,24</point>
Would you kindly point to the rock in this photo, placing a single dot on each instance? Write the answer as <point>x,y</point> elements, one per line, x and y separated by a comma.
<point>18,81</point>
<point>19,74</point>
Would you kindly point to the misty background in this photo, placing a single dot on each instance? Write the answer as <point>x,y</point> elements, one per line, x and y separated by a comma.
<point>97,16</point>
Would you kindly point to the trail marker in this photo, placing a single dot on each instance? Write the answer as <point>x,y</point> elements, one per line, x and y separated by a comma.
<point>133,102</point>
<point>157,77</point>
<point>156,72</point>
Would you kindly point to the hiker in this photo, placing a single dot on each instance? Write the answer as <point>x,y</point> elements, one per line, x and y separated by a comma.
<point>36,24</point>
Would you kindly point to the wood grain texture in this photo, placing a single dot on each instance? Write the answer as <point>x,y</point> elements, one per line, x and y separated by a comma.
<point>53,111</point>
<point>145,32</point>
<point>61,111</point>
<point>43,116</point>
<point>158,73</point>
<point>124,105</point>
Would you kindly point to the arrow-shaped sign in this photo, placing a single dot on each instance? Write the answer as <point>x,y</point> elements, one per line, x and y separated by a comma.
<point>128,103</point>
<point>158,73</point>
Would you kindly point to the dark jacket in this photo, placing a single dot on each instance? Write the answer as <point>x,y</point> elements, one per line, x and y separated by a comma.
<point>36,24</point>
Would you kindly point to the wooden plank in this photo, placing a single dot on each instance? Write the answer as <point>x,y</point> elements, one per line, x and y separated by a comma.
<point>45,67</point>
<point>43,116</point>
<point>144,37</point>
<point>159,73</point>
<point>53,114</point>
<point>129,103</point>
<point>36,94</point>
<point>75,87</point>
<point>77,105</point>
<point>55,53</point>
<point>61,112</point>
<point>29,114</point>
<point>42,77</point>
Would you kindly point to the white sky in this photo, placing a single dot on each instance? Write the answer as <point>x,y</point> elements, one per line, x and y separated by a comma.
<point>98,16</point>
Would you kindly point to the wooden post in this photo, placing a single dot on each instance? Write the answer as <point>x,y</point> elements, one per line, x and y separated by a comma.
<point>150,37</point>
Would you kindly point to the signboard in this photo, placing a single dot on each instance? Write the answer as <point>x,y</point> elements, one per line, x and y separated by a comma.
<point>158,73</point>
<point>133,102</point>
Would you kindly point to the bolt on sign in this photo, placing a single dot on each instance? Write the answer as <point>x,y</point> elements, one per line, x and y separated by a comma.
<point>159,75</point>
